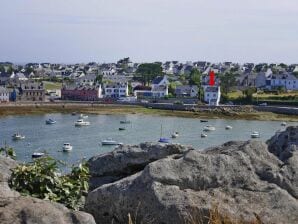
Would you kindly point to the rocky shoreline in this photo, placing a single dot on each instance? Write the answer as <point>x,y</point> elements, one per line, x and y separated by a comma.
<point>155,183</point>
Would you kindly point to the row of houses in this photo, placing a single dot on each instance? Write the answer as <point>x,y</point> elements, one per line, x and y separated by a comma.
<point>26,91</point>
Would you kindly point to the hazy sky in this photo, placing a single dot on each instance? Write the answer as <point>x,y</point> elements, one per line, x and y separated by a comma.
<point>149,30</point>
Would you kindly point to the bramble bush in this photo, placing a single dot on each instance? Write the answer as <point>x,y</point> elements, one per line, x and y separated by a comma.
<point>41,179</point>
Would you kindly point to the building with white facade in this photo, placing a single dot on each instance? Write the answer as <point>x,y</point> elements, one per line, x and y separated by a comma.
<point>4,94</point>
<point>212,95</point>
<point>116,90</point>
<point>159,89</point>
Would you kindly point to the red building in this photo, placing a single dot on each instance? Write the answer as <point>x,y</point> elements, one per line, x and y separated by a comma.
<point>85,93</point>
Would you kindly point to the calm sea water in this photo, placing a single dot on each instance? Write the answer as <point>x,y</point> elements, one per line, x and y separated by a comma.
<point>143,128</point>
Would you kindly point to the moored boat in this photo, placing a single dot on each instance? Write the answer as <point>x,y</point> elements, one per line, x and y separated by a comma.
<point>81,122</point>
<point>18,136</point>
<point>67,147</point>
<point>175,134</point>
<point>83,116</point>
<point>203,121</point>
<point>228,127</point>
<point>255,134</point>
<point>203,135</point>
<point>37,154</point>
<point>109,141</point>
<point>209,128</point>
<point>164,140</point>
<point>125,122</point>
<point>122,129</point>
<point>283,124</point>
<point>50,121</point>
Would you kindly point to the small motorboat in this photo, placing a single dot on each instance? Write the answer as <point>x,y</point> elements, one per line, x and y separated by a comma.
<point>209,128</point>
<point>203,135</point>
<point>122,129</point>
<point>125,122</point>
<point>83,116</point>
<point>228,127</point>
<point>50,121</point>
<point>67,147</point>
<point>109,141</point>
<point>175,134</point>
<point>37,154</point>
<point>81,122</point>
<point>74,113</point>
<point>164,140</point>
<point>283,124</point>
<point>255,134</point>
<point>203,121</point>
<point>18,136</point>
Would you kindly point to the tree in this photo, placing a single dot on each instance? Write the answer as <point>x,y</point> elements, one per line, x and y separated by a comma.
<point>195,77</point>
<point>248,94</point>
<point>10,70</point>
<point>147,72</point>
<point>2,69</point>
<point>172,88</point>
<point>227,81</point>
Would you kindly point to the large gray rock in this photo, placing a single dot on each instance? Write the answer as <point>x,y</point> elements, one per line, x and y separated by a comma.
<point>6,164</point>
<point>243,178</point>
<point>127,160</point>
<point>284,144</point>
<point>31,210</point>
<point>17,209</point>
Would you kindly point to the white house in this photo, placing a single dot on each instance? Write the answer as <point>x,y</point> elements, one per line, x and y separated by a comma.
<point>212,95</point>
<point>116,90</point>
<point>89,80</point>
<point>159,89</point>
<point>4,94</point>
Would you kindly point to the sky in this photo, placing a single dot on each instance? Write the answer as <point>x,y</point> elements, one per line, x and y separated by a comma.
<point>74,31</point>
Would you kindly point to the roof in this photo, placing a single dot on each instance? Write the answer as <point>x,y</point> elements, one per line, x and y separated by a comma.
<point>140,87</point>
<point>116,85</point>
<point>157,80</point>
<point>211,89</point>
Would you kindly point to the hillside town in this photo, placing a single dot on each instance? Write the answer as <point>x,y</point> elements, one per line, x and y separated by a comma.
<point>129,81</point>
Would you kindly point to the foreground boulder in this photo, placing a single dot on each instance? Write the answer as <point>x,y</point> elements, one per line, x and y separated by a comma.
<point>127,160</point>
<point>243,179</point>
<point>18,209</point>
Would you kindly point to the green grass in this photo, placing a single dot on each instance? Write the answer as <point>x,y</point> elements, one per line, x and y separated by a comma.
<point>52,85</point>
<point>235,94</point>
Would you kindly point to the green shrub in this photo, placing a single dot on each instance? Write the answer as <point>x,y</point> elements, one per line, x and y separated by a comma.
<point>41,179</point>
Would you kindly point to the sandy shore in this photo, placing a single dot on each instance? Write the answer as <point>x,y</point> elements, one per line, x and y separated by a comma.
<point>32,108</point>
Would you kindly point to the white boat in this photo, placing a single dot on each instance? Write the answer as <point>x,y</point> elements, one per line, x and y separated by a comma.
<point>109,141</point>
<point>67,147</point>
<point>50,121</point>
<point>283,124</point>
<point>37,154</point>
<point>203,135</point>
<point>228,127</point>
<point>175,134</point>
<point>209,128</point>
<point>18,136</point>
<point>83,116</point>
<point>81,122</point>
<point>255,134</point>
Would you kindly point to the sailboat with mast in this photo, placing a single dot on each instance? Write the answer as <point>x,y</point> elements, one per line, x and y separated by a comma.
<point>162,139</point>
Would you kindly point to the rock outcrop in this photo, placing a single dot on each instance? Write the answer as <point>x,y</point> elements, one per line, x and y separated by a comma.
<point>18,209</point>
<point>244,179</point>
<point>127,160</point>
